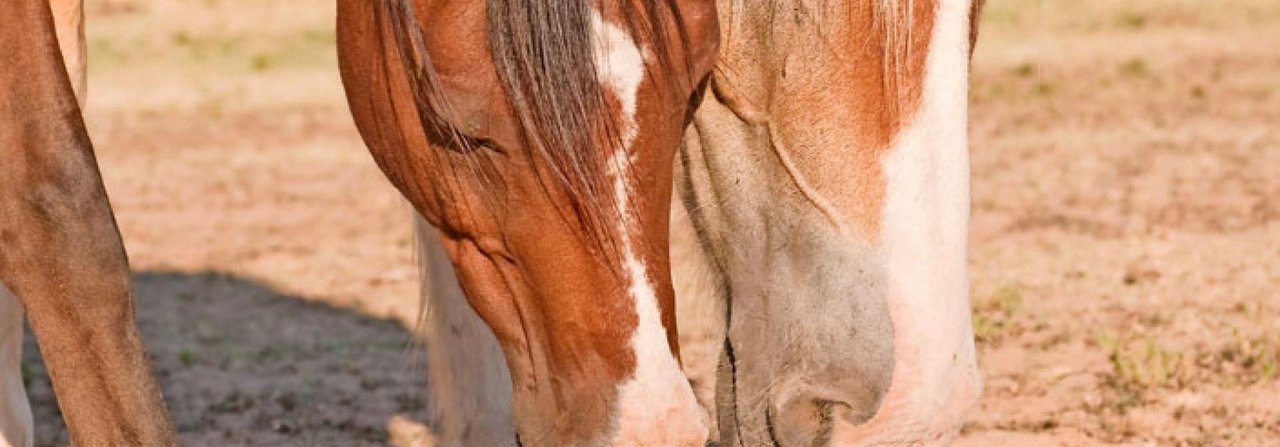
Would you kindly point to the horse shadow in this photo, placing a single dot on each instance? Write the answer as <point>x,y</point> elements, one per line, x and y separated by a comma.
<point>241,363</point>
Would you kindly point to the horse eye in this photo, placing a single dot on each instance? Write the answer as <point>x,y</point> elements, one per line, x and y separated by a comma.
<point>472,144</point>
<point>466,143</point>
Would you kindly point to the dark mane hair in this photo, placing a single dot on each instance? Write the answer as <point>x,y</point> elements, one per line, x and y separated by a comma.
<point>544,51</point>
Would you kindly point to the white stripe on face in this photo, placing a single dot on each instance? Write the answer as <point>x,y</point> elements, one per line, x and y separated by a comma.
<point>925,238</point>
<point>656,406</point>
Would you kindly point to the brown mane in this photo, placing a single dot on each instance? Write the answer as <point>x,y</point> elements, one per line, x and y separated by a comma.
<point>544,54</point>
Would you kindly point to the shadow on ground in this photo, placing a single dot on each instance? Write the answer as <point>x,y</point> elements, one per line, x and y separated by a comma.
<point>242,364</point>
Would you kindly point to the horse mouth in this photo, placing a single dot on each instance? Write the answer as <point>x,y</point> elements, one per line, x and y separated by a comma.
<point>727,406</point>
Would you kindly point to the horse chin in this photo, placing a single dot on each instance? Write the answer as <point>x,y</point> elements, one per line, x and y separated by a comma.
<point>936,381</point>
<point>904,420</point>
<point>666,415</point>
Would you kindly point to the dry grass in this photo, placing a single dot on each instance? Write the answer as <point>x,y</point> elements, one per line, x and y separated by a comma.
<point>1125,158</point>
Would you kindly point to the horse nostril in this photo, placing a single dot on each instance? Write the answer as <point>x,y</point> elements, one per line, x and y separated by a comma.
<point>828,411</point>
<point>806,415</point>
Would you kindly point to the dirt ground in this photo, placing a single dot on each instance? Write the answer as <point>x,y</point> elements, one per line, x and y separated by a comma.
<point>1125,245</point>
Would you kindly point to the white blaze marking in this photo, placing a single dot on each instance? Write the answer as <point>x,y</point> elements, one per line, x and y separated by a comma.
<point>925,237</point>
<point>656,406</point>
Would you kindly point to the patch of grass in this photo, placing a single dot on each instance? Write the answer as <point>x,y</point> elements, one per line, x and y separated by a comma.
<point>182,38</point>
<point>186,357</point>
<point>234,402</point>
<point>108,53</point>
<point>324,36</point>
<point>1140,364</point>
<point>995,90</point>
<point>1137,365</point>
<point>1133,20</point>
<point>1044,88</point>
<point>269,353</point>
<point>1267,367</point>
<point>261,62</point>
<point>994,317</point>
<point>1125,400</point>
<point>1025,69</point>
<point>1198,92</point>
<point>986,329</point>
<point>1241,361</point>
<point>1144,364</point>
<point>1247,309</point>
<point>1008,299</point>
<point>1135,67</point>
<point>1155,318</point>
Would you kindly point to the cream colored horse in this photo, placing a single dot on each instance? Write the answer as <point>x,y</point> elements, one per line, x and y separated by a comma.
<point>822,237</point>
<point>827,174</point>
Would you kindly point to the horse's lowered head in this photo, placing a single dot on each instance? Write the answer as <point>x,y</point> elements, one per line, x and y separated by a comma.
<point>538,137</point>
<point>828,172</point>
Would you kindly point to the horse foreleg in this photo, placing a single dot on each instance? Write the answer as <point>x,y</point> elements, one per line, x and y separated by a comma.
<point>469,385</point>
<point>60,250</point>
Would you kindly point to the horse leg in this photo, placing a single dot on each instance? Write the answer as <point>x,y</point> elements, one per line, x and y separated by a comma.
<point>68,21</point>
<point>16,424</point>
<point>62,255</point>
<point>470,400</point>
<point>16,427</point>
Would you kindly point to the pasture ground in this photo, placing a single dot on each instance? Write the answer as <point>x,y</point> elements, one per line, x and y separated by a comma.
<point>1125,245</point>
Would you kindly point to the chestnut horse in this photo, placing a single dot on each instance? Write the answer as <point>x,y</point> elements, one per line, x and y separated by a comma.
<point>61,258</point>
<point>820,238</point>
<point>537,137</point>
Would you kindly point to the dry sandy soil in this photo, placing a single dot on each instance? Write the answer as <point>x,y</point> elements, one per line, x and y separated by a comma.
<point>1125,245</point>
